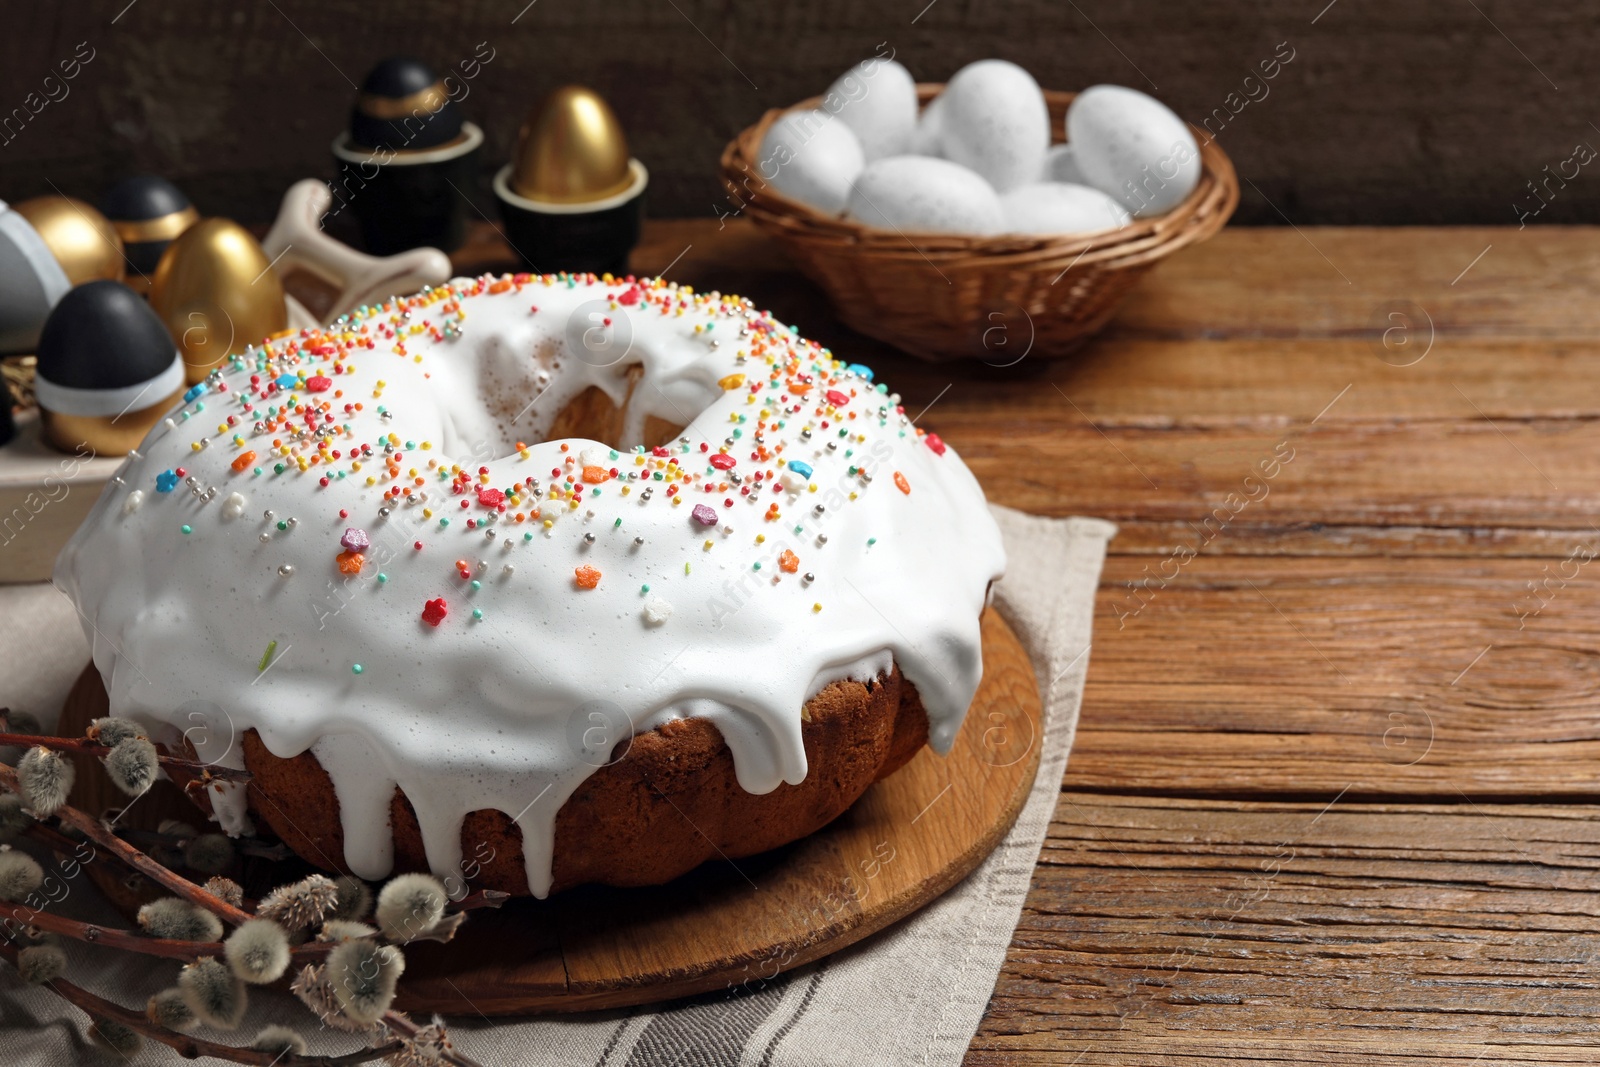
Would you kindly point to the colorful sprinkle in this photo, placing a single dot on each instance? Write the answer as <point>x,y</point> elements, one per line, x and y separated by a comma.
<point>434,611</point>
<point>586,576</point>
<point>166,481</point>
<point>704,515</point>
<point>901,484</point>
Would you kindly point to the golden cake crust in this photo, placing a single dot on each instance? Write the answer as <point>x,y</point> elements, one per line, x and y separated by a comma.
<point>669,804</point>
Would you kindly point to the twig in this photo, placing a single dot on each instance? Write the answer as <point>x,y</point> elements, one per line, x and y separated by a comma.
<point>483,898</point>
<point>102,835</point>
<point>95,934</point>
<point>192,1047</point>
<point>95,748</point>
<point>400,1024</point>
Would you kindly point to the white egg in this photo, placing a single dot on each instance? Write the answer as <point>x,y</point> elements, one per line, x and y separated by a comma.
<point>877,99</point>
<point>925,138</point>
<point>1059,207</point>
<point>918,194</point>
<point>1061,165</point>
<point>995,122</point>
<point>1133,147</point>
<point>812,157</point>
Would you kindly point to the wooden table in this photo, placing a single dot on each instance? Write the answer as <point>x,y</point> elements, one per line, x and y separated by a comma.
<point>1334,796</point>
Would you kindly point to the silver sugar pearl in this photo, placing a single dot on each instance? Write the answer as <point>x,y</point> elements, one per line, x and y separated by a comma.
<point>637,541</point>
<point>383,513</point>
<point>483,566</point>
<point>818,510</point>
<point>833,446</point>
<point>822,539</point>
<point>509,569</point>
<point>488,535</point>
<point>293,521</point>
<point>809,578</point>
<point>588,538</point>
<point>285,570</point>
<point>265,538</point>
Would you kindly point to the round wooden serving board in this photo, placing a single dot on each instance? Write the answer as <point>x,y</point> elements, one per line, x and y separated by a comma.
<point>732,923</point>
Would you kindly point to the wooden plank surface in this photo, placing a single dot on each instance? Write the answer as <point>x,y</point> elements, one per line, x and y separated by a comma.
<point>1333,798</point>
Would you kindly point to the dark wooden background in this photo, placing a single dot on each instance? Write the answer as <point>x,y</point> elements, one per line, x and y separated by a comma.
<point>1391,112</point>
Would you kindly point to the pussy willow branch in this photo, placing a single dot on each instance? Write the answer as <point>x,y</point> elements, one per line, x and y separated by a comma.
<point>95,748</point>
<point>187,951</point>
<point>97,831</point>
<point>193,1048</point>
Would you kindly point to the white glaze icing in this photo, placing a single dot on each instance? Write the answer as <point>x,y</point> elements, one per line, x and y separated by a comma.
<point>514,710</point>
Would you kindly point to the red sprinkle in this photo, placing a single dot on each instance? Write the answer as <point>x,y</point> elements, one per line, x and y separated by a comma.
<point>837,399</point>
<point>318,384</point>
<point>491,498</point>
<point>434,611</point>
<point>722,461</point>
<point>935,442</point>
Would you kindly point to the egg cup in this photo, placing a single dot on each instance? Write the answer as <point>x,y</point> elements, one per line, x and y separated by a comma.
<point>409,199</point>
<point>595,236</point>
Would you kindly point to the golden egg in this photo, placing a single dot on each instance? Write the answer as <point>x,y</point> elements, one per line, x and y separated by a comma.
<point>571,150</point>
<point>216,291</point>
<point>83,241</point>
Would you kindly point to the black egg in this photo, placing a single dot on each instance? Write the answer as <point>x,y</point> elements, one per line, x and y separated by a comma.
<point>148,213</point>
<point>31,281</point>
<point>102,338</point>
<point>403,106</point>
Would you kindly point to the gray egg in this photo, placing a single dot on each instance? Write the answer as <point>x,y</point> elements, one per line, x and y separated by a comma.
<point>877,99</point>
<point>1061,208</point>
<point>31,281</point>
<point>1133,147</point>
<point>919,194</point>
<point>812,157</point>
<point>995,122</point>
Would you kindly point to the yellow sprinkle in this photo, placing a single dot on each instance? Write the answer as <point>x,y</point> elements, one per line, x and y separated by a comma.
<point>813,488</point>
<point>355,465</point>
<point>708,544</point>
<point>549,523</point>
<point>426,447</point>
<point>686,568</point>
<point>573,504</point>
<point>816,607</point>
<point>427,513</point>
<point>371,480</point>
<point>626,490</point>
<point>761,538</point>
<point>194,446</point>
<point>852,494</point>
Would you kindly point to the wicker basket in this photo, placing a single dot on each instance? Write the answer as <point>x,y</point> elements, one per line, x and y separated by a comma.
<point>941,296</point>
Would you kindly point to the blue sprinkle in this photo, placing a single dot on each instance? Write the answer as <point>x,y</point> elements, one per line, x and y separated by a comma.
<point>802,469</point>
<point>166,481</point>
<point>287,381</point>
<point>861,369</point>
<point>194,391</point>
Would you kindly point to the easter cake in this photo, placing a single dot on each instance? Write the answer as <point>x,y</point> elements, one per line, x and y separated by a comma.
<point>534,581</point>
